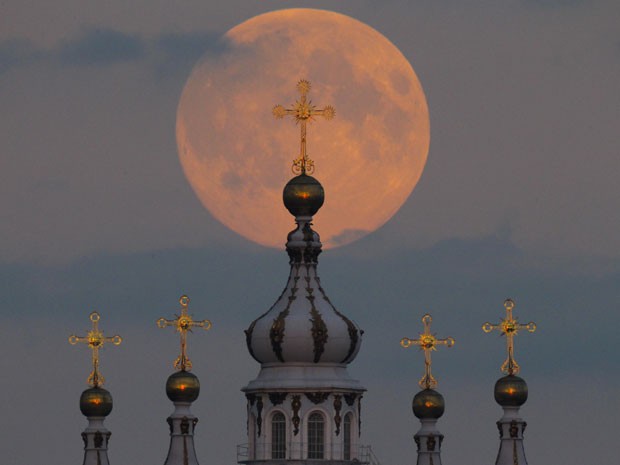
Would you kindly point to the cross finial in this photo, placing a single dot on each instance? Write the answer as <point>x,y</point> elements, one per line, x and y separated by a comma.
<point>303,110</point>
<point>182,324</point>
<point>427,343</point>
<point>509,327</point>
<point>95,340</point>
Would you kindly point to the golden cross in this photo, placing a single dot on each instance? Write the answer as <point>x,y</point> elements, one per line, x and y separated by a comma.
<point>427,343</point>
<point>302,111</point>
<point>95,340</point>
<point>509,327</point>
<point>183,323</point>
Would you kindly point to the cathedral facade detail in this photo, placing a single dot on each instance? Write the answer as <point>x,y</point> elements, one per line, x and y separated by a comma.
<point>303,405</point>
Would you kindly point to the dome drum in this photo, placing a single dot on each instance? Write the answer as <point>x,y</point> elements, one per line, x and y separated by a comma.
<point>337,410</point>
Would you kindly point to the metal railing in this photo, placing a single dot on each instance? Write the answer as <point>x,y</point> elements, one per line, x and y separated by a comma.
<point>368,456</point>
<point>299,451</point>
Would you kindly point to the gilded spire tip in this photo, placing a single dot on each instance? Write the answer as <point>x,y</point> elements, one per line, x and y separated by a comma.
<point>95,341</point>
<point>182,324</point>
<point>303,110</point>
<point>509,327</point>
<point>427,342</point>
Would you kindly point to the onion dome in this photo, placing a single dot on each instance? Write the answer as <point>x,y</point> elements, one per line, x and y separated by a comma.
<point>510,391</point>
<point>182,386</point>
<point>96,402</point>
<point>428,404</point>
<point>303,326</point>
<point>303,195</point>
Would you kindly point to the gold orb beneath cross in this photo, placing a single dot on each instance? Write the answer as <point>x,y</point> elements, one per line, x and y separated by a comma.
<point>237,156</point>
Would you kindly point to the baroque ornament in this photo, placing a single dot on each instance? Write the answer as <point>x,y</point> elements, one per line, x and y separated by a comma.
<point>337,408</point>
<point>317,397</point>
<point>514,429</point>
<point>430,443</point>
<point>185,425</point>
<point>319,329</point>
<point>277,398</point>
<point>276,333</point>
<point>296,405</point>
<point>259,411</point>
<point>98,440</point>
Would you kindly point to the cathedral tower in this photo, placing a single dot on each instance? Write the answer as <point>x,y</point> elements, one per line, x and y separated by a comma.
<point>303,405</point>
<point>95,402</point>
<point>182,388</point>
<point>428,404</point>
<point>510,392</point>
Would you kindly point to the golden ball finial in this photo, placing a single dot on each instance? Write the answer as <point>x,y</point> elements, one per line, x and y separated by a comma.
<point>182,386</point>
<point>303,195</point>
<point>510,391</point>
<point>428,403</point>
<point>96,402</point>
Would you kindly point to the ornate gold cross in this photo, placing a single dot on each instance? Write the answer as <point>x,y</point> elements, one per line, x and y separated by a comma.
<point>427,342</point>
<point>182,324</point>
<point>302,111</point>
<point>509,327</point>
<point>95,340</point>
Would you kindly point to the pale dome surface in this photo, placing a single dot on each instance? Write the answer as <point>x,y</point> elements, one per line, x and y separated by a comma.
<point>303,326</point>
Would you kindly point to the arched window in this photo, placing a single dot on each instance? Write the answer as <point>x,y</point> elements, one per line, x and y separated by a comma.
<point>278,436</point>
<point>316,436</point>
<point>348,418</point>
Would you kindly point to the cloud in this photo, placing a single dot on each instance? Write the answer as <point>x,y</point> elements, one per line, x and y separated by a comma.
<point>181,51</point>
<point>386,296</point>
<point>166,53</point>
<point>190,46</point>
<point>16,52</point>
<point>348,235</point>
<point>101,47</point>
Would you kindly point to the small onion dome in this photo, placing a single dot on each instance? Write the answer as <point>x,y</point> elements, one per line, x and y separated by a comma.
<point>96,402</point>
<point>182,386</point>
<point>510,391</point>
<point>303,195</point>
<point>428,404</point>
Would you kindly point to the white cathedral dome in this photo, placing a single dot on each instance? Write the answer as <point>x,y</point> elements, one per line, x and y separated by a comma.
<point>303,326</point>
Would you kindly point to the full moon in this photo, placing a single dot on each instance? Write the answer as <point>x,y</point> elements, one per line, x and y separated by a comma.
<point>238,157</point>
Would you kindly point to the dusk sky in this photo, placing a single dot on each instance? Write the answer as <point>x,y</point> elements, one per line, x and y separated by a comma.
<point>519,198</point>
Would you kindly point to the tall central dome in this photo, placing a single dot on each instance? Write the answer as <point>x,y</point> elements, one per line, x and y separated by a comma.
<point>303,404</point>
<point>303,326</point>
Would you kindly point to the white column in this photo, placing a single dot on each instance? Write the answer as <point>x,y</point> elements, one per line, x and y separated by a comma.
<point>511,427</point>
<point>428,439</point>
<point>182,423</point>
<point>96,438</point>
